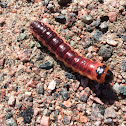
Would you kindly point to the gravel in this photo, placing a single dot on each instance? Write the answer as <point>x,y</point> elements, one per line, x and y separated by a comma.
<point>95,29</point>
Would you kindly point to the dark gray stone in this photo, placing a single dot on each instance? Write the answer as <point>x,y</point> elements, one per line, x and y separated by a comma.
<point>123,90</point>
<point>124,38</point>
<point>65,94</point>
<point>70,76</point>
<point>105,52</point>
<point>3,4</point>
<point>8,115</point>
<point>66,120</point>
<point>61,19</point>
<point>27,115</point>
<point>97,35</point>
<point>97,23</point>
<point>63,2</point>
<point>47,65</point>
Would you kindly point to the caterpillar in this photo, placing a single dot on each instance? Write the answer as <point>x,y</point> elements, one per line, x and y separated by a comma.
<point>92,69</point>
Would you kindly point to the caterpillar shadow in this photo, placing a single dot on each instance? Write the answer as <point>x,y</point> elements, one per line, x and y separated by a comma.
<point>103,91</point>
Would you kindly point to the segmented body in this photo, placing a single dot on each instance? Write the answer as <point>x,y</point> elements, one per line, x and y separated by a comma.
<point>85,66</point>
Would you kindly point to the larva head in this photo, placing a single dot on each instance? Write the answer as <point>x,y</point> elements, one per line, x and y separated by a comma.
<point>104,74</point>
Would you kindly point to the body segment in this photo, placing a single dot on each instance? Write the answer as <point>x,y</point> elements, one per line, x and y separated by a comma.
<point>84,66</point>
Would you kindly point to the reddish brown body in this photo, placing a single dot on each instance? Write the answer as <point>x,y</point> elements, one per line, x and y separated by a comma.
<point>86,67</point>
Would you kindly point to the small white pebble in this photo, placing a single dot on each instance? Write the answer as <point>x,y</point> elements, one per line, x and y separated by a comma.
<point>116,88</point>
<point>11,101</point>
<point>52,85</point>
<point>28,94</point>
<point>112,42</point>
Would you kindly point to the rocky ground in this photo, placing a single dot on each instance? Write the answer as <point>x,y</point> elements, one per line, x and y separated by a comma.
<point>38,90</point>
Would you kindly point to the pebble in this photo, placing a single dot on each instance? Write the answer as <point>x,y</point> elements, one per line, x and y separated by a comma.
<point>85,94</point>
<point>96,99</point>
<point>24,55</point>
<point>86,42</point>
<point>27,115</point>
<point>66,120</point>
<point>95,114</point>
<point>47,65</point>
<point>123,90</point>
<point>81,107</point>
<point>112,42</point>
<point>124,38</point>
<point>32,44</point>
<point>105,52</point>
<point>123,66</point>
<point>83,119</point>
<point>12,101</point>
<point>67,103</point>
<point>52,85</point>
<point>65,94</point>
<point>40,89</point>
<point>89,29</point>
<point>70,76</point>
<point>50,7</point>
<point>31,83</point>
<point>36,111</point>
<point>63,2</point>
<point>104,26</point>
<point>62,106</point>
<point>8,115</point>
<point>21,37</point>
<point>45,121</point>
<point>97,23</point>
<point>38,45</point>
<point>3,4</point>
<point>109,113</point>
<point>45,3</point>
<point>70,18</point>
<point>39,57</point>
<point>87,19</point>
<point>10,122</point>
<point>52,116</point>
<point>61,19</point>
<point>116,88</point>
<point>108,121</point>
<point>97,35</point>
<point>97,123</point>
<point>112,16</point>
<point>27,94</point>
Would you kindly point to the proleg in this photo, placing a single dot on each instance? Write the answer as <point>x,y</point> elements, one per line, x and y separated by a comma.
<point>48,37</point>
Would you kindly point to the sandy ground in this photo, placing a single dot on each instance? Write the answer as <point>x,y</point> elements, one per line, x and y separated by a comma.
<point>36,89</point>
